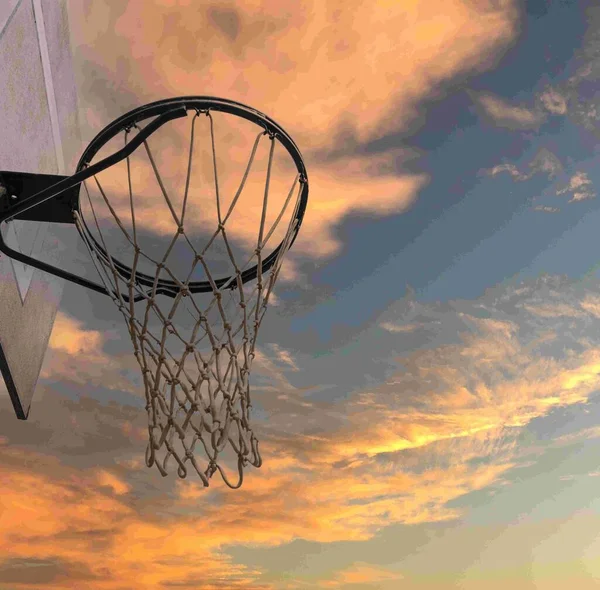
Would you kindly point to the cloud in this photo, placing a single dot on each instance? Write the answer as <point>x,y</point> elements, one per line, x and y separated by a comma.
<point>434,421</point>
<point>388,326</point>
<point>580,187</point>
<point>364,573</point>
<point>554,102</point>
<point>110,480</point>
<point>544,162</point>
<point>444,423</point>
<point>311,46</point>
<point>71,337</point>
<point>555,310</point>
<point>76,355</point>
<point>43,572</point>
<point>577,437</point>
<point>546,209</point>
<point>67,519</point>
<point>284,357</point>
<point>503,114</point>
<point>318,69</point>
<point>510,168</point>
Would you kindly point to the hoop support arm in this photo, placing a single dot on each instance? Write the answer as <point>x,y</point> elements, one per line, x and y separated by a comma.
<point>65,191</point>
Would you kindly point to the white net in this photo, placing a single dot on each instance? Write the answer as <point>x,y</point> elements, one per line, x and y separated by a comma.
<point>195,349</point>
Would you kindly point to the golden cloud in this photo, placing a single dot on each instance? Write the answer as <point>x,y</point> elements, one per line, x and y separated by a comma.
<point>76,354</point>
<point>386,463</point>
<point>363,573</point>
<point>332,73</point>
<point>65,517</point>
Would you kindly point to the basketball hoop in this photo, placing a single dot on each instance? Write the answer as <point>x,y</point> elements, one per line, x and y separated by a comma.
<point>195,373</point>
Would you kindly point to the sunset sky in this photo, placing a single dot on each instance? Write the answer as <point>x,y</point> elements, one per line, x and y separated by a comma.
<point>426,385</point>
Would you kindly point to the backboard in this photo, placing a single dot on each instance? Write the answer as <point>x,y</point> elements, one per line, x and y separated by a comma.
<point>38,102</point>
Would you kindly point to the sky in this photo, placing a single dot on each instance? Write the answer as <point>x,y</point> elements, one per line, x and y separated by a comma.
<point>426,384</point>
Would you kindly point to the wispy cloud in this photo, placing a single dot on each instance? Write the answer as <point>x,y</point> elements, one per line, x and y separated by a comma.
<point>580,187</point>
<point>364,573</point>
<point>445,423</point>
<point>503,114</point>
<point>388,326</point>
<point>546,209</point>
<point>544,162</point>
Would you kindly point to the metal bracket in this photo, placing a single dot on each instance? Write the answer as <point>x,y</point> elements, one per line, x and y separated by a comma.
<point>15,187</point>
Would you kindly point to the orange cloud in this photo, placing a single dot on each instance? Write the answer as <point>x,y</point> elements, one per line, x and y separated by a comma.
<point>333,74</point>
<point>364,573</point>
<point>110,480</point>
<point>380,462</point>
<point>276,61</point>
<point>65,517</point>
<point>76,354</point>
<point>70,336</point>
